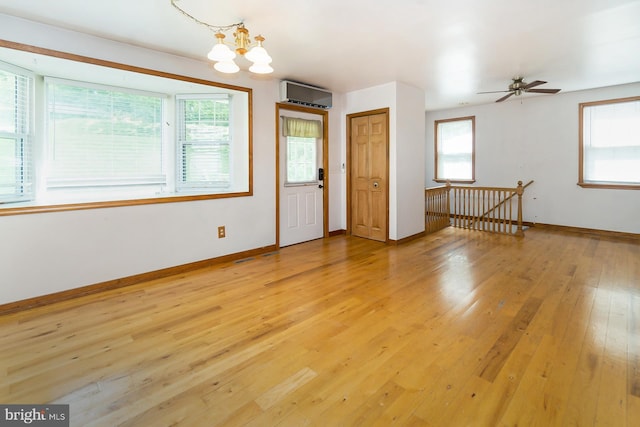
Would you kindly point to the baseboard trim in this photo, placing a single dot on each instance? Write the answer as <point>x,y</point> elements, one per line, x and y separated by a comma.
<point>337,233</point>
<point>56,297</point>
<point>407,239</point>
<point>580,230</point>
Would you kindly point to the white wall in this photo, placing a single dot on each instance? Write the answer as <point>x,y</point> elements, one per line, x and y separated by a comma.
<point>410,152</point>
<point>536,138</point>
<point>406,151</point>
<point>52,252</point>
<point>337,165</point>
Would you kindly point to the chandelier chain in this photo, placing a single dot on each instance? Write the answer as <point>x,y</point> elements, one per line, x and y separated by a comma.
<point>214,28</point>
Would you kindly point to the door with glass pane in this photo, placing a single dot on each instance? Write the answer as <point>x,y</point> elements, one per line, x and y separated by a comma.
<point>301,178</point>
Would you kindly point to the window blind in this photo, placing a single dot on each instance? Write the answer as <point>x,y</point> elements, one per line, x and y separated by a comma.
<point>203,142</point>
<point>611,143</point>
<point>15,139</point>
<point>100,136</point>
<point>455,149</point>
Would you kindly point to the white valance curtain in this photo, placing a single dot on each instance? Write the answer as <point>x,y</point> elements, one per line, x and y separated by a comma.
<point>292,126</point>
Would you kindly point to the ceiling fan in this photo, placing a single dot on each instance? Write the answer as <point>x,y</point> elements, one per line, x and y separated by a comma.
<point>518,86</point>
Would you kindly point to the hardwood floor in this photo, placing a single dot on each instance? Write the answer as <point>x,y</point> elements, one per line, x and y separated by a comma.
<point>457,328</point>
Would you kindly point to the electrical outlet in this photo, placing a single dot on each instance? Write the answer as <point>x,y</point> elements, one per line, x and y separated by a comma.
<point>222,233</point>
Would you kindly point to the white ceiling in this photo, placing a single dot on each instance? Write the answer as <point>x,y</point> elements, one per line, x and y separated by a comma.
<point>451,49</point>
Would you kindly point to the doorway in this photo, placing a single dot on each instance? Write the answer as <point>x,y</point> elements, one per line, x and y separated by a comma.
<point>301,174</point>
<point>368,179</point>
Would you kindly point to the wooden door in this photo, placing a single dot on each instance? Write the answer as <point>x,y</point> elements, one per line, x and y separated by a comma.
<point>369,176</point>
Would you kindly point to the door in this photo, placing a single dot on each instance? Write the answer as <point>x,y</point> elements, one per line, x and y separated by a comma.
<point>369,176</point>
<point>301,181</point>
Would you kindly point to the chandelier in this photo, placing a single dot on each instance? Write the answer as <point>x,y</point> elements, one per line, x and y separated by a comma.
<point>224,56</point>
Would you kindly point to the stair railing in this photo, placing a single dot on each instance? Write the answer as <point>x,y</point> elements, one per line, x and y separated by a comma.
<point>437,208</point>
<point>492,209</point>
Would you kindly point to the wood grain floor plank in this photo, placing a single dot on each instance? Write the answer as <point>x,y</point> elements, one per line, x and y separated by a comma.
<point>454,328</point>
<point>501,350</point>
<point>582,399</point>
<point>612,393</point>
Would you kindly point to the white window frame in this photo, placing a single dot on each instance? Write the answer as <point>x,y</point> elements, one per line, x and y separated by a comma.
<point>181,143</point>
<point>23,137</point>
<point>438,175</point>
<point>66,190</point>
<point>627,153</point>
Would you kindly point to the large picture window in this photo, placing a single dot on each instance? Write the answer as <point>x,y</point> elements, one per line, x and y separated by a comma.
<point>102,134</point>
<point>103,139</point>
<point>455,150</point>
<point>610,144</point>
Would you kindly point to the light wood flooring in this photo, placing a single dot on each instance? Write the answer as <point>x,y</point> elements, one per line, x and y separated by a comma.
<point>459,328</point>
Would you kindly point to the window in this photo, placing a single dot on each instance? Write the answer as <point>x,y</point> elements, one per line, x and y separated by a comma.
<point>455,150</point>
<point>102,134</point>
<point>103,140</point>
<point>15,135</point>
<point>609,148</point>
<point>204,139</point>
<point>302,160</point>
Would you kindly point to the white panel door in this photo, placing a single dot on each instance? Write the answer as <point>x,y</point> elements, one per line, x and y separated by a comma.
<point>301,191</point>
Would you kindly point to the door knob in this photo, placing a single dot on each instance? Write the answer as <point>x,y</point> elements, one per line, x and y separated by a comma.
<point>375,184</point>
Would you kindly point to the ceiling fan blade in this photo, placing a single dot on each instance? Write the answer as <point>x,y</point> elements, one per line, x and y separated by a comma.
<point>533,84</point>
<point>543,90</point>
<point>494,91</point>
<point>504,97</point>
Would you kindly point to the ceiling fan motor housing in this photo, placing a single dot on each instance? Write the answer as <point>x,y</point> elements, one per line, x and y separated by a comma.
<point>517,84</point>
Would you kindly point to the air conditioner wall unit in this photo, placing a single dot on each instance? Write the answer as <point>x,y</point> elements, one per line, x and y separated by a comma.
<point>301,94</point>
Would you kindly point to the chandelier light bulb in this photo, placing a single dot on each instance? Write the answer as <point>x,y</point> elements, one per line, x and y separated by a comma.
<point>227,66</point>
<point>261,68</point>
<point>220,51</point>
<point>258,54</point>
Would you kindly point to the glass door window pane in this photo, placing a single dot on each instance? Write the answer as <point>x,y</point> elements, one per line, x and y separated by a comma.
<point>302,160</point>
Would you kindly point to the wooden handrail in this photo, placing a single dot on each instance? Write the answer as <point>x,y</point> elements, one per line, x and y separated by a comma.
<point>515,191</point>
<point>464,208</point>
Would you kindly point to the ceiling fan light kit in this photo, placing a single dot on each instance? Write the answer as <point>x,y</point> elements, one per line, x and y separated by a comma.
<point>222,54</point>
<point>519,86</point>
